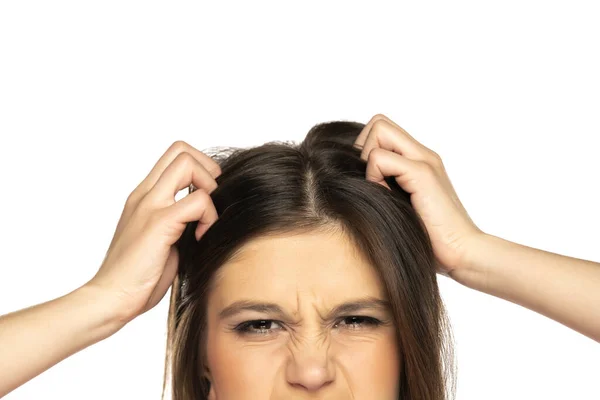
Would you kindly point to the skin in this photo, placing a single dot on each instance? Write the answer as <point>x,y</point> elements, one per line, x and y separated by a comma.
<point>130,281</point>
<point>306,352</point>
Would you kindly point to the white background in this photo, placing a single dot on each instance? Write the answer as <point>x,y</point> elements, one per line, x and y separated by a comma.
<point>93,93</point>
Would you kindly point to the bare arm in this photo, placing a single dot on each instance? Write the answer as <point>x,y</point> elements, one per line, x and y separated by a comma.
<point>36,338</point>
<point>562,288</point>
<point>138,269</point>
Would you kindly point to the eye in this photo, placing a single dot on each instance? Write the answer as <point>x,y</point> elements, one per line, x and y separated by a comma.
<point>357,322</point>
<point>258,327</point>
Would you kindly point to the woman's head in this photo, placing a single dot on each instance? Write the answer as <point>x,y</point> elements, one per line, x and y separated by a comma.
<point>313,283</point>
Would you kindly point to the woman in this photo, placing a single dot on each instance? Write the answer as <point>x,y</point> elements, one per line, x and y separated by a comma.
<point>312,281</point>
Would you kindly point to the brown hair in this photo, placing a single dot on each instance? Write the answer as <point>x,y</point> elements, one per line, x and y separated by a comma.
<point>285,187</point>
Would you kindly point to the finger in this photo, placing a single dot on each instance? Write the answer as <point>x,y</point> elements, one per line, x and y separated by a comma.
<point>384,163</point>
<point>167,159</point>
<point>386,136</point>
<point>183,171</point>
<point>163,163</point>
<point>364,133</point>
<point>196,206</point>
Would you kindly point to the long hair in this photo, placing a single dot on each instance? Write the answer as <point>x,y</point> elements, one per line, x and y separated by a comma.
<point>286,187</point>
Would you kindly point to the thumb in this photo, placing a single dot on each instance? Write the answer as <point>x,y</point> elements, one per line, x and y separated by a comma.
<point>166,279</point>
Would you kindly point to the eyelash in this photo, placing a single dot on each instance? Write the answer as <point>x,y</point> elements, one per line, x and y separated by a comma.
<point>245,328</point>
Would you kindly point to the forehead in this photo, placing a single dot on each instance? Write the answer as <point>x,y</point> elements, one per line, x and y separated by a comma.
<point>322,266</point>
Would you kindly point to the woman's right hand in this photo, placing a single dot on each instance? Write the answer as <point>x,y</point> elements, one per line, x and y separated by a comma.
<point>141,262</point>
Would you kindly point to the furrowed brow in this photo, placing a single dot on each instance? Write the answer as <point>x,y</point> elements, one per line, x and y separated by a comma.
<point>346,308</point>
<point>250,305</point>
<point>355,306</point>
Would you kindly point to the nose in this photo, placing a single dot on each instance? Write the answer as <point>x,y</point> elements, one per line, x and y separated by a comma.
<point>310,367</point>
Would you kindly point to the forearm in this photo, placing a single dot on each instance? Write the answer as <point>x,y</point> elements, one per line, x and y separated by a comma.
<point>562,288</point>
<point>36,338</point>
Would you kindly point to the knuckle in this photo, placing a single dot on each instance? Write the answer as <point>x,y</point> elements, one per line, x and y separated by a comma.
<point>145,205</point>
<point>436,159</point>
<point>132,199</point>
<point>203,196</point>
<point>155,218</point>
<point>185,159</point>
<point>179,146</point>
<point>376,153</point>
<point>378,124</point>
<point>425,167</point>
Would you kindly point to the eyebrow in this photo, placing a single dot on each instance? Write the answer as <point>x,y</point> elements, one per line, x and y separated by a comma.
<point>352,306</point>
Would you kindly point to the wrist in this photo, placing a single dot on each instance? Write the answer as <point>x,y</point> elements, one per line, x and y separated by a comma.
<point>108,315</point>
<point>475,270</point>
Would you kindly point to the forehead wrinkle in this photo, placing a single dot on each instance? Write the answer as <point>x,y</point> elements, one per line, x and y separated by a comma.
<point>248,260</point>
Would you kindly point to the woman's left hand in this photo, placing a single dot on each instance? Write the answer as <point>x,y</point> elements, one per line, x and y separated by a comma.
<point>390,151</point>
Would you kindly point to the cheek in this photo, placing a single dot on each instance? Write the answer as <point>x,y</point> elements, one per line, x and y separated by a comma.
<point>241,370</point>
<point>372,368</point>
